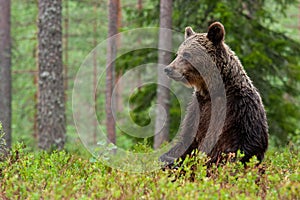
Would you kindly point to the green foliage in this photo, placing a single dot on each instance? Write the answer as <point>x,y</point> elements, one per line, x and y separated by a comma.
<point>60,175</point>
<point>141,100</point>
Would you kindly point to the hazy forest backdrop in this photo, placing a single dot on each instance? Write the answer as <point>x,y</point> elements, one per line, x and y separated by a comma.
<point>264,35</point>
<point>49,43</point>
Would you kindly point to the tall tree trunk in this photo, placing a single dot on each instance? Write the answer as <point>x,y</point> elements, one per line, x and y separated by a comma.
<point>140,10</point>
<point>66,47</point>
<point>5,70</point>
<point>140,5</point>
<point>51,104</point>
<point>95,78</point>
<point>110,68</point>
<point>164,57</point>
<point>119,73</point>
<point>36,84</point>
<point>299,19</point>
<point>119,21</point>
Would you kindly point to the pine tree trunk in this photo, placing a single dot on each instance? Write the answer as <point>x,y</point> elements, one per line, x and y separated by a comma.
<point>163,94</point>
<point>110,68</point>
<point>51,105</point>
<point>95,77</point>
<point>119,87</point>
<point>5,70</point>
<point>66,47</point>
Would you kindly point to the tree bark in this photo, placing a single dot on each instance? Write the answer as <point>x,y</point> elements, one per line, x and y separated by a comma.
<point>51,104</point>
<point>119,73</point>
<point>110,68</point>
<point>164,57</point>
<point>66,48</point>
<point>5,70</point>
<point>95,77</point>
<point>140,5</point>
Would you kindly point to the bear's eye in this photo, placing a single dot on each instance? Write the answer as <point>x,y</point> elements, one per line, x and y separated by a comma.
<point>186,55</point>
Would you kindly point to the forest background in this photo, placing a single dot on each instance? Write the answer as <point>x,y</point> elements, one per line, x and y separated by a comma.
<point>265,37</point>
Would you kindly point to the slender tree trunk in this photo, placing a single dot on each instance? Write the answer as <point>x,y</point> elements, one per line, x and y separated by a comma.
<point>5,69</point>
<point>299,18</point>
<point>36,84</point>
<point>140,9</point>
<point>95,78</point>
<point>140,5</point>
<point>110,68</point>
<point>51,104</point>
<point>66,48</point>
<point>164,57</point>
<point>36,94</point>
<point>119,21</point>
<point>119,73</point>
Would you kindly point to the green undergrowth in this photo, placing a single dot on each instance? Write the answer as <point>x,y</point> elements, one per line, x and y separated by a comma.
<point>62,175</point>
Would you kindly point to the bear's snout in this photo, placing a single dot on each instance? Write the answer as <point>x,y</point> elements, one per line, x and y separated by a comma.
<point>168,70</point>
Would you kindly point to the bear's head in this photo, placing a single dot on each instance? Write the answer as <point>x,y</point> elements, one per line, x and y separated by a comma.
<point>194,62</point>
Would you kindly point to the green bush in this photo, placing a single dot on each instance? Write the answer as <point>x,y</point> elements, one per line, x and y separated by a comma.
<point>61,175</point>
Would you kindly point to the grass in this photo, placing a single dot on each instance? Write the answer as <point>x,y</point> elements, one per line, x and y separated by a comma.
<point>62,175</point>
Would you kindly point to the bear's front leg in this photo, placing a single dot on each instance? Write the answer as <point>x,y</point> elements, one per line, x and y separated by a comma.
<point>180,150</point>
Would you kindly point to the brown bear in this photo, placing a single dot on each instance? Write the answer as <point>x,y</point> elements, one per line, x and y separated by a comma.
<point>226,113</point>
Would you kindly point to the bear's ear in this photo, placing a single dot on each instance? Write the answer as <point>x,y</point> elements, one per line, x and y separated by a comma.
<point>188,32</point>
<point>216,33</point>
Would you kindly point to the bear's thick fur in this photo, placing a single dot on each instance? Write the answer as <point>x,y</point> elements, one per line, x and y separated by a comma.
<point>240,124</point>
